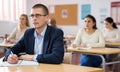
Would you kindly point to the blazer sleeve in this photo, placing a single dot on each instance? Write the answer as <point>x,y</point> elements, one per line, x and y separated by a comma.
<point>16,49</point>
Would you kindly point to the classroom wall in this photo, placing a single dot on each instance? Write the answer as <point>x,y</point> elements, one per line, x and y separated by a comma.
<point>6,27</point>
<point>96,7</point>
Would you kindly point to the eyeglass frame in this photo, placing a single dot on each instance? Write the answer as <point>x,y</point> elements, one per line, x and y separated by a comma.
<point>36,15</point>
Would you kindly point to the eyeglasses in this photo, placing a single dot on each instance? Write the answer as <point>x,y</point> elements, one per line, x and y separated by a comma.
<point>36,15</point>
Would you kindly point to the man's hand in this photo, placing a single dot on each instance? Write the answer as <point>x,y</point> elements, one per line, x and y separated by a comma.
<point>27,57</point>
<point>12,59</point>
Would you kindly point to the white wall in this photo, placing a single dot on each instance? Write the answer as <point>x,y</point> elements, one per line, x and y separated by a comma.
<point>6,27</point>
<point>96,5</point>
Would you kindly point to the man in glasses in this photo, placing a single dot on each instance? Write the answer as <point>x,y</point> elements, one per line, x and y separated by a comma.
<point>42,43</point>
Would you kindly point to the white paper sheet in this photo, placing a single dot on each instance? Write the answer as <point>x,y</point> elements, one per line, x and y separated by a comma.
<point>20,63</point>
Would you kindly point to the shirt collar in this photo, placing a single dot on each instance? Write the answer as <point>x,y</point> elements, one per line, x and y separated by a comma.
<point>42,33</point>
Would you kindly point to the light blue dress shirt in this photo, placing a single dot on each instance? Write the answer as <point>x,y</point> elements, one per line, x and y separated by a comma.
<point>38,43</point>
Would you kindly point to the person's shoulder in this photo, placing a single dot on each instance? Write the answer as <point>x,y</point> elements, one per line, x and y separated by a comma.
<point>55,29</point>
<point>116,30</point>
<point>30,30</point>
<point>81,30</point>
<point>98,30</point>
<point>16,29</point>
<point>58,29</point>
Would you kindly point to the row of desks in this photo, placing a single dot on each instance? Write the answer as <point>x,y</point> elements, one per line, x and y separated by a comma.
<point>47,67</point>
<point>98,52</point>
<point>113,44</point>
<point>93,51</point>
<point>6,45</point>
<point>107,43</point>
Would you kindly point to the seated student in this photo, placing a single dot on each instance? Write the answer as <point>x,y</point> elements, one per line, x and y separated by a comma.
<point>89,36</point>
<point>111,34</point>
<point>19,31</point>
<point>42,43</point>
<point>52,22</point>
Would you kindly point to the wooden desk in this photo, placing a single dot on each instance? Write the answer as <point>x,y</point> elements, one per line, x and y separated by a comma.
<point>102,51</point>
<point>112,44</point>
<point>69,37</point>
<point>50,68</point>
<point>6,45</point>
<point>99,52</point>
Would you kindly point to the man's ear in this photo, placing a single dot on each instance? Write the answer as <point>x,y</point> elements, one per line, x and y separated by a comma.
<point>47,18</point>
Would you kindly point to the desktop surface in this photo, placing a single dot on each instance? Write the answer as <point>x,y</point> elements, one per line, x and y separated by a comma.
<point>50,68</point>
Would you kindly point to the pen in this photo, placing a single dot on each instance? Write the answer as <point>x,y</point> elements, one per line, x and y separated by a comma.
<point>11,52</point>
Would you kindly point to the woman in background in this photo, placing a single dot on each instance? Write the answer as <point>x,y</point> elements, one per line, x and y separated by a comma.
<point>19,31</point>
<point>111,34</point>
<point>89,36</point>
<point>52,22</point>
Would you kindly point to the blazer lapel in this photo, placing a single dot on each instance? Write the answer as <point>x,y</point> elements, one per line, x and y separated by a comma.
<point>32,44</point>
<point>46,40</point>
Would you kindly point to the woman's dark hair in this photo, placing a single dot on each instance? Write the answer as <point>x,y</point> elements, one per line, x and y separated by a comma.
<point>110,20</point>
<point>93,19</point>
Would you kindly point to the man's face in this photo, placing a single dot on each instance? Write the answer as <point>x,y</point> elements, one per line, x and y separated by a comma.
<point>39,19</point>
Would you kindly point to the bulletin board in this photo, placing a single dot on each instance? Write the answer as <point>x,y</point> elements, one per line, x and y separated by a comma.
<point>64,14</point>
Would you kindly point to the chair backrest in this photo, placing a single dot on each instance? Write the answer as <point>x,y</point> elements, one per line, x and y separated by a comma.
<point>67,58</point>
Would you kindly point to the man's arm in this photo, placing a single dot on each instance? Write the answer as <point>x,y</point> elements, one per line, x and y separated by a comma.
<point>16,49</point>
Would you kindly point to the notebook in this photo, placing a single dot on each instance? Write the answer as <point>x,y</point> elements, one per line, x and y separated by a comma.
<point>20,63</point>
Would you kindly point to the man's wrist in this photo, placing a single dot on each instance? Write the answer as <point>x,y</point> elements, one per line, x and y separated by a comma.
<point>35,57</point>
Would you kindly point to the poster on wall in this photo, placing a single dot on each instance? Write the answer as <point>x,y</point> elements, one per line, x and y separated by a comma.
<point>52,9</point>
<point>102,18</point>
<point>64,13</point>
<point>103,14</point>
<point>85,10</point>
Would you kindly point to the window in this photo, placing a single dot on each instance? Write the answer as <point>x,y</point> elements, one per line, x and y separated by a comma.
<point>12,9</point>
<point>115,12</point>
